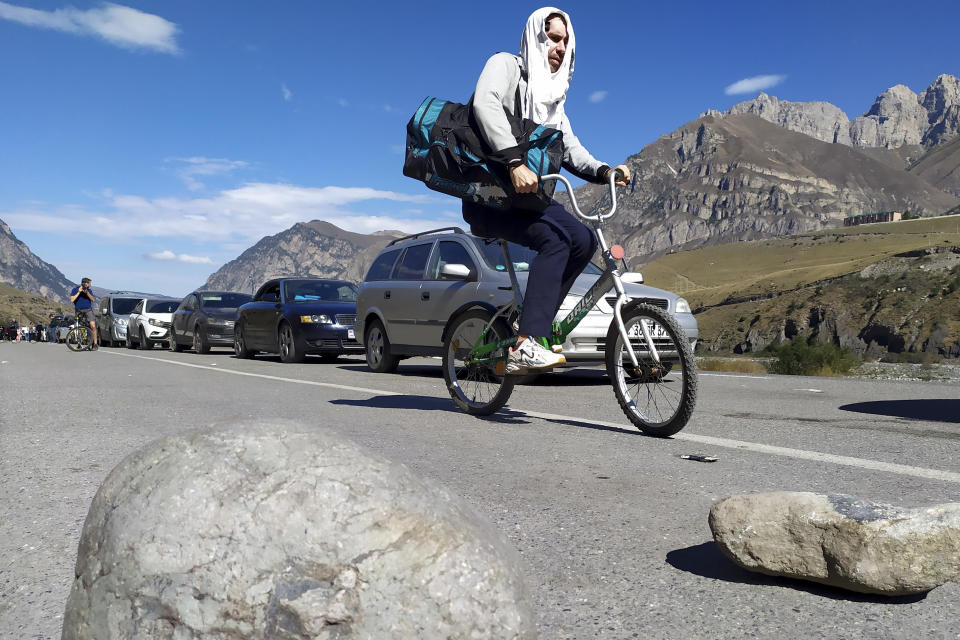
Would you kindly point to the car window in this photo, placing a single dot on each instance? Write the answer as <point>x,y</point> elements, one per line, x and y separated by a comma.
<point>224,300</point>
<point>319,290</point>
<point>448,252</point>
<point>413,262</point>
<point>103,305</point>
<point>269,293</point>
<point>123,306</point>
<point>138,308</point>
<point>162,306</point>
<point>382,266</point>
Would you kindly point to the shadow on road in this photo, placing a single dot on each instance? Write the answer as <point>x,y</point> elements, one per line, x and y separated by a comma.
<point>564,378</point>
<point>706,560</point>
<point>504,416</point>
<point>934,410</point>
<point>427,403</point>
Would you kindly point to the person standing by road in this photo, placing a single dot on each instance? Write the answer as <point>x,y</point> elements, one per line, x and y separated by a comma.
<point>540,76</point>
<point>82,299</point>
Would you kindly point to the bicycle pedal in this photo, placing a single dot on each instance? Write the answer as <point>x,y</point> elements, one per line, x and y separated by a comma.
<point>500,368</point>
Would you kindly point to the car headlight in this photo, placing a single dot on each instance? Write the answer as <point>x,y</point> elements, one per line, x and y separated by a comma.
<point>216,322</point>
<point>318,319</point>
<point>120,322</point>
<point>570,302</point>
<point>682,306</point>
<point>154,322</point>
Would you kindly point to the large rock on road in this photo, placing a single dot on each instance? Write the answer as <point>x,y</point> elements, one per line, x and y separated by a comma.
<point>840,540</point>
<point>277,530</point>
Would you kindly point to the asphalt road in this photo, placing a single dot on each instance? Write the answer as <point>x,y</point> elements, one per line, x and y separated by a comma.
<point>611,525</point>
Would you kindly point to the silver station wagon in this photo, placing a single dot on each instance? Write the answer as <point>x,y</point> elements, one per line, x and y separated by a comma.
<point>418,282</point>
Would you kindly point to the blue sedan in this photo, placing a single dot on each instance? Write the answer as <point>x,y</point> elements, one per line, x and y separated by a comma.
<point>299,316</point>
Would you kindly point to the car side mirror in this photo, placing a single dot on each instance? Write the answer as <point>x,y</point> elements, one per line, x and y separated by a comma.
<point>456,271</point>
<point>632,277</point>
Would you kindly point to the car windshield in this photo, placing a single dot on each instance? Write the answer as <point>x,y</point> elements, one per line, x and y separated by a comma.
<point>123,306</point>
<point>224,300</point>
<point>520,255</point>
<point>320,290</point>
<point>162,306</point>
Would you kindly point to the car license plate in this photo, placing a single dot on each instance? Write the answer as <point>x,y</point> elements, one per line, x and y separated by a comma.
<point>350,334</point>
<point>655,328</point>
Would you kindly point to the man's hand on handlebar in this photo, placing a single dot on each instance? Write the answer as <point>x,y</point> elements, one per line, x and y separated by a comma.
<point>623,179</point>
<point>524,180</point>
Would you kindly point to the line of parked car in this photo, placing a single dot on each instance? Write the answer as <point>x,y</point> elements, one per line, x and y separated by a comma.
<point>413,287</point>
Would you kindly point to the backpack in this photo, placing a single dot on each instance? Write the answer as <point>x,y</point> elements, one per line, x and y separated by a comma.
<point>447,153</point>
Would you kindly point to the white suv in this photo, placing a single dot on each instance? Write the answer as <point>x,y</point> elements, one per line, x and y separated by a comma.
<point>149,322</point>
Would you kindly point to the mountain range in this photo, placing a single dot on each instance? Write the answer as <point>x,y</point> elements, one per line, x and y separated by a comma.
<point>21,269</point>
<point>764,168</point>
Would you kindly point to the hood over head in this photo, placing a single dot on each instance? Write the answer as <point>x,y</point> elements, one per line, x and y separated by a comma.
<point>546,91</point>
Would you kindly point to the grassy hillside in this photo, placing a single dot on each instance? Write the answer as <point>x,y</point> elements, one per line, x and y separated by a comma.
<point>27,308</point>
<point>884,290</point>
<point>710,276</point>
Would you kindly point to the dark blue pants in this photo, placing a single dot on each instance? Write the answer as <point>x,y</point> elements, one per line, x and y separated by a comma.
<point>564,246</point>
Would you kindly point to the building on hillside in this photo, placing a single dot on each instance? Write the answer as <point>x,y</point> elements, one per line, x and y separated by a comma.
<point>868,218</point>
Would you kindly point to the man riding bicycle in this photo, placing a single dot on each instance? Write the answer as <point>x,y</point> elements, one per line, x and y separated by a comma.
<point>82,299</point>
<point>563,244</point>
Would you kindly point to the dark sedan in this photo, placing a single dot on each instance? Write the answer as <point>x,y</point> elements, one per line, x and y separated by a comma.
<point>205,319</point>
<point>299,316</point>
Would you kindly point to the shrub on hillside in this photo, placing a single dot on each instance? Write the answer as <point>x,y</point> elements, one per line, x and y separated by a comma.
<point>799,358</point>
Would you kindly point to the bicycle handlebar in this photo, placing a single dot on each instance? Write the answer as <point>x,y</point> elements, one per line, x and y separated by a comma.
<point>613,176</point>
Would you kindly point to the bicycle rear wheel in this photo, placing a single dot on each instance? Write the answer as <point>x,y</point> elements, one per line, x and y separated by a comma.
<point>475,386</point>
<point>658,398</point>
<point>78,339</point>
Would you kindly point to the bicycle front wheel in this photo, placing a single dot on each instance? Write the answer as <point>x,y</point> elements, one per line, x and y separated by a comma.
<point>78,339</point>
<point>657,397</point>
<point>474,383</point>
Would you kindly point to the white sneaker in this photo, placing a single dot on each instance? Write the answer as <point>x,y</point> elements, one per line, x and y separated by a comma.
<point>530,355</point>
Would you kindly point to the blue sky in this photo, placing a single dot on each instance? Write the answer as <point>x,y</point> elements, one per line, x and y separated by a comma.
<point>145,144</point>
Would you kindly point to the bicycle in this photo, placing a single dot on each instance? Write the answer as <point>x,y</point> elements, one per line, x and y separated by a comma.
<point>80,338</point>
<point>647,355</point>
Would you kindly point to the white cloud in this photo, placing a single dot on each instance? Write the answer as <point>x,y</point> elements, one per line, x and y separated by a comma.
<point>199,166</point>
<point>598,96</point>
<point>162,256</point>
<point>287,94</point>
<point>240,215</point>
<point>167,256</point>
<point>756,83</point>
<point>118,25</point>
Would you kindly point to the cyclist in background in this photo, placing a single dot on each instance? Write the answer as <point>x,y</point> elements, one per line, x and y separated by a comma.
<point>564,245</point>
<point>82,299</point>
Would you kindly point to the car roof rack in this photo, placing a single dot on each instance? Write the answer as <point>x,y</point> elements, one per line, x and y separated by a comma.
<point>425,233</point>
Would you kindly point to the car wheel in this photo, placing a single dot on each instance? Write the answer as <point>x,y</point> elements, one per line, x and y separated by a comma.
<point>240,344</point>
<point>289,352</point>
<point>174,345</point>
<point>129,340</point>
<point>379,358</point>
<point>145,344</point>
<point>200,344</point>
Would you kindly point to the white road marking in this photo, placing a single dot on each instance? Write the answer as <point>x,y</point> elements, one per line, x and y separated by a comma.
<point>799,454</point>
<point>810,390</point>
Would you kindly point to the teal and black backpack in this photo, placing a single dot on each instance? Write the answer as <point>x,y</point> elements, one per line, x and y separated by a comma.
<point>447,153</point>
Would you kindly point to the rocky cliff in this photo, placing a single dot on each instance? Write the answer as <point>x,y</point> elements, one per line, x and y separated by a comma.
<point>316,248</point>
<point>898,117</point>
<point>740,177</point>
<point>21,269</point>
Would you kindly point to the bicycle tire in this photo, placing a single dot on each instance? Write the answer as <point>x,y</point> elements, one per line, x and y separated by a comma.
<point>78,339</point>
<point>657,398</point>
<point>475,388</point>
